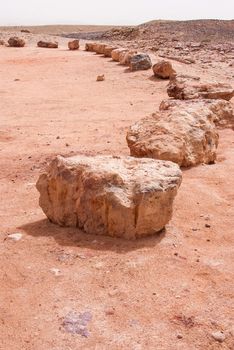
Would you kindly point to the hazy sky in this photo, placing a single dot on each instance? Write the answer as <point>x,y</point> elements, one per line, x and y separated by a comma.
<point>26,12</point>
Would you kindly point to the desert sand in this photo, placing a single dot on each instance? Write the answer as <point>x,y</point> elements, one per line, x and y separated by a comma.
<point>169,291</point>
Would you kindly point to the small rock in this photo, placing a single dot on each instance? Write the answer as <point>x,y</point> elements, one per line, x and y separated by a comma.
<point>218,336</point>
<point>15,236</point>
<point>55,271</point>
<point>101,77</point>
<point>47,44</point>
<point>207,225</point>
<point>163,70</point>
<point>179,336</point>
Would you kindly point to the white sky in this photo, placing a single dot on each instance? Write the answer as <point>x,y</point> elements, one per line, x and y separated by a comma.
<point>26,12</point>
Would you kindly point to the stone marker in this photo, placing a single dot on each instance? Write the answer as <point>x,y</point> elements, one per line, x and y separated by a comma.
<point>140,61</point>
<point>182,133</point>
<point>104,195</point>
<point>73,45</point>
<point>48,44</point>
<point>14,41</point>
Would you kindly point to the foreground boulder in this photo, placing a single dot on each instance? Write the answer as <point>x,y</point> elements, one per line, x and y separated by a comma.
<point>140,61</point>
<point>116,53</point>
<point>186,90</point>
<point>16,42</point>
<point>163,70</point>
<point>105,195</point>
<point>73,45</point>
<point>48,44</point>
<point>182,133</point>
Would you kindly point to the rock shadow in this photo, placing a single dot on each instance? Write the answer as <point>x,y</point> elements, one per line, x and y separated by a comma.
<point>74,237</point>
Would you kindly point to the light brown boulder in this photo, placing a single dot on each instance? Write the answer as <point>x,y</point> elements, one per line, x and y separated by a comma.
<point>140,61</point>
<point>73,45</point>
<point>222,110</point>
<point>108,50</point>
<point>163,70</point>
<point>104,195</point>
<point>182,133</point>
<point>14,41</point>
<point>125,57</point>
<point>116,53</point>
<point>186,90</point>
<point>99,49</point>
<point>48,44</point>
<point>90,47</point>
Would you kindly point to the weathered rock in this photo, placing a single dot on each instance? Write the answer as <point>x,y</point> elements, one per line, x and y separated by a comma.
<point>222,110</point>
<point>218,336</point>
<point>48,44</point>
<point>163,70</point>
<point>101,77</point>
<point>116,53</point>
<point>14,41</point>
<point>140,61</point>
<point>25,31</point>
<point>185,90</point>
<point>99,48</point>
<point>126,57</point>
<point>108,50</point>
<point>184,134</point>
<point>105,195</point>
<point>74,45</point>
<point>90,47</point>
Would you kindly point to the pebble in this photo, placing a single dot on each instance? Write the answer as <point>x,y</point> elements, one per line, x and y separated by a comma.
<point>218,336</point>
<point>55,271</point>
<point>15,236</point>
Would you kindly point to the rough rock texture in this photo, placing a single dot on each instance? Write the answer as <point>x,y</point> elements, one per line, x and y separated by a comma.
<point>16,42</point>
<point>108,50</point>
<point>140,61</point>
<point>100,48</point>
<point>116,53</point>
<point>185,90</point>
<point>182,133</point>
<point>223,112</point>
<point>126,57</point>
<point>48,44</point>
<point>90,47</point>
<point>74,45</point>
<point>163,70</point>
<point>105,195</point>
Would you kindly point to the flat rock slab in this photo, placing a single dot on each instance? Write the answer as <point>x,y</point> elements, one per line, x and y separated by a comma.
<point>182,133</point>
<point>116,196</point>
<point>185,90</point>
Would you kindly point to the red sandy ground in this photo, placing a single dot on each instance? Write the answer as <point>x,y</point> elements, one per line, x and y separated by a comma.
<point>142,294</point>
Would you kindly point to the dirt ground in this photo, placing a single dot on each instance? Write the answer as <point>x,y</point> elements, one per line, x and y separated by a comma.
<point>167,292</point>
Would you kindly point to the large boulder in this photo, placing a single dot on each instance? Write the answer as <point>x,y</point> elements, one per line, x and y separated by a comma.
<point>182,133</point>
<point>116,53</point>
<point>14,41</point>
<point>222,110</point>
<point>140,61</point>
<point>73,45</point>
<point>116,196</point>
<point>187,90</point>
<point>47,44</point>
<point>163,69</point>
<point>108,50</point>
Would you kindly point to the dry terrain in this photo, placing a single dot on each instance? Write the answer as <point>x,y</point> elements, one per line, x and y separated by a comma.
<point>167,292</point>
